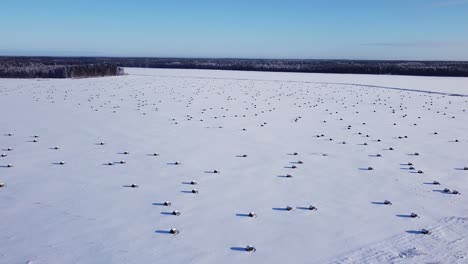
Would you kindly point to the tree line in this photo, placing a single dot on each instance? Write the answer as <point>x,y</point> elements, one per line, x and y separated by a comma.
<point>66,67</point>
<point>15,69</point>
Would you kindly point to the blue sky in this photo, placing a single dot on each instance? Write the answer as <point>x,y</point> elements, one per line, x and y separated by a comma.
<point>323,29</point>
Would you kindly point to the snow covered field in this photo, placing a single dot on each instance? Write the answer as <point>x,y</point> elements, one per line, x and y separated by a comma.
<point>68,198</point>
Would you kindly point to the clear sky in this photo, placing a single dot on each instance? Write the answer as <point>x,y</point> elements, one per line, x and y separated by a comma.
<point>334,29</point>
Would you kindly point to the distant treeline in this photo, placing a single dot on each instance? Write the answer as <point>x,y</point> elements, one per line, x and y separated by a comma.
<point>11,68</point>
<point>422,68</point>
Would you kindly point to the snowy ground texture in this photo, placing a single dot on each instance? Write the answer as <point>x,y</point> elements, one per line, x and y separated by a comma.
<point>68,205</point>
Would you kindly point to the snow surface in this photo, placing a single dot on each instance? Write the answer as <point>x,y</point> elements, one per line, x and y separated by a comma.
<point>84,212</point>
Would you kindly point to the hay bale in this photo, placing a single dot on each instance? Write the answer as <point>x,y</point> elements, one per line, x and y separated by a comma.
<point>250,248</point>
<point>425,231</point>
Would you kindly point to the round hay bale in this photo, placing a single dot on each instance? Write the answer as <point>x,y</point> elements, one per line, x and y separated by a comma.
<point>250,248</point>
<point>425,231</point>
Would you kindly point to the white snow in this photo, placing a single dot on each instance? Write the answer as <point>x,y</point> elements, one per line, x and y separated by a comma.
<point>83,210</point>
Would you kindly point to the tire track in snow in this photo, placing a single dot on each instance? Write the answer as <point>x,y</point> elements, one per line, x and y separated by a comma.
<point>311,82</point>
<point>447,243</point>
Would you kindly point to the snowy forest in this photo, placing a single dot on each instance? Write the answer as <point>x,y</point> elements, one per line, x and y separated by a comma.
<point>72,67</point>
<point>45,68</point>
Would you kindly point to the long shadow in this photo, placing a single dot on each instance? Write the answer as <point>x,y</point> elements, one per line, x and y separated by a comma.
<point>462,169</point>
<point>404,216</point>
<point>283,176</point>
<point>166,213</point>
<point>238,249</point>
<point>162,232</point>
<point>366,169</point>
<point>173,163</point>
<point>279,209</point>
<point>243,215</point>
<point>381,203</point>
<point>158,204</point>
<point>415,232</point>
<point>303,208</point>
<point>289,167</point>
<point>375,156</point>
<point>441,191</point>
<point>57,163</point>
<point>186,191</point>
